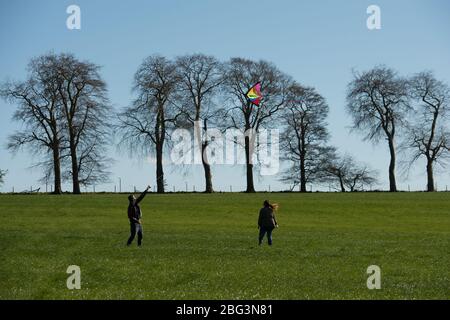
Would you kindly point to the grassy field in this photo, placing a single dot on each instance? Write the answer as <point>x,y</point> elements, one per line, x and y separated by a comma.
<point>200,246</point>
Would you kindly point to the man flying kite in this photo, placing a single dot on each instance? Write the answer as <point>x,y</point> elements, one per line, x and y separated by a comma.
<point>135,215</point>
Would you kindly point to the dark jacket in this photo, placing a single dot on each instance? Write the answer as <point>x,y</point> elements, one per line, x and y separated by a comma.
<point>134,211</point>
<point>267,218</point>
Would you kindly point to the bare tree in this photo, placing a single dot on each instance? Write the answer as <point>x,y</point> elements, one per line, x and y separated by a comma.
<point>349,174</point>
<point>39,110</point>
<point>200,78</point>
<point>429,135</point>
<point>83,97</point>
<point>144,124</point>
<point>377,100</point>
<point>305,136</point>
<point>64,106</point>
<point>240,75</point>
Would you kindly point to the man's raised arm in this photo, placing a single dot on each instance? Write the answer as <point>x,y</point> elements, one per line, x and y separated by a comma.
<point>142,195</point>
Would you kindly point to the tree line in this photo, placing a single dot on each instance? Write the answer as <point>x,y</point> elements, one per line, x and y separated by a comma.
<point>67,119</point>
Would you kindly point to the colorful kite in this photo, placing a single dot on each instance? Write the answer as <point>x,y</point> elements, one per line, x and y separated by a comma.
<point>254,94</point>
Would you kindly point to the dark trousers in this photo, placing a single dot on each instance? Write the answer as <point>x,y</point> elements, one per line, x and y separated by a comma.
<point>262,233</point>
<point>135,227</point>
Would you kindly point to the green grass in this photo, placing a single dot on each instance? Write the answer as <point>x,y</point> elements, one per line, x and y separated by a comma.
<point>200,246</point>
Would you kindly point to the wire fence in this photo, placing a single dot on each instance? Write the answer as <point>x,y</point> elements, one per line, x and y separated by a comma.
<point>192,188</point>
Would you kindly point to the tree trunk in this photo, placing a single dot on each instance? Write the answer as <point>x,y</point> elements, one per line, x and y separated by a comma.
<point>207,169</point>
<point>302,175</point>
<point>204,145</point>
<point>392,183</point>
<point>430,178</point>
<point>57,170</point>
<point>250,185</point>
<point>159,168</point>
<point>73,155</point>
<point>302,151</point>
<point>208,179</point>
<point>75,178</point>
<point>342,184</point>
<point>249,167</point>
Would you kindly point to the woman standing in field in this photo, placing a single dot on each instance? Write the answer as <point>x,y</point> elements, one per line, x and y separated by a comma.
<point>267,221</point>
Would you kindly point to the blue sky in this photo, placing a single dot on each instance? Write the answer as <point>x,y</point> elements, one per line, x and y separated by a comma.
<point>317,42</point>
